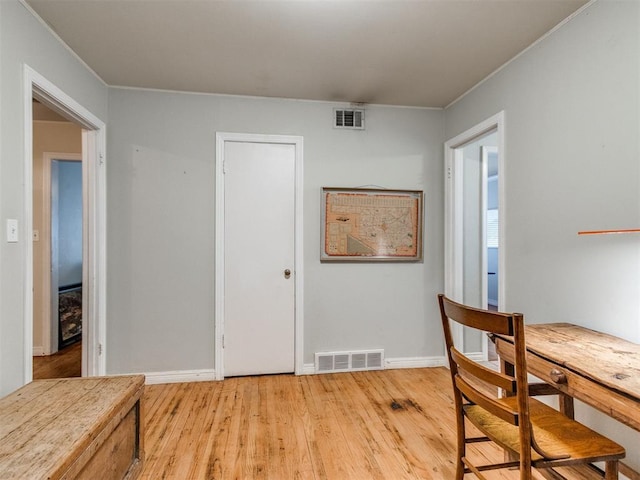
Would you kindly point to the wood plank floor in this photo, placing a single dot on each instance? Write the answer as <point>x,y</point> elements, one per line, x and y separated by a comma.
<point>63,364</point>
<point>392,425</point>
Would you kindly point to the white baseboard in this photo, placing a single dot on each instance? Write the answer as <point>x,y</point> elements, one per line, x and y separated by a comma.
<point>180,376</point>
<point>183,376</point>
<point>415,362</point>
<point>394,363</point>
<point>476,356</point>
<point>308,369</point>
<point>38,351</point>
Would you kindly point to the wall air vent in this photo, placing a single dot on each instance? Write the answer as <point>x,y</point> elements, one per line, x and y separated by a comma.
<point>352,118</point>
<point>331,362</point>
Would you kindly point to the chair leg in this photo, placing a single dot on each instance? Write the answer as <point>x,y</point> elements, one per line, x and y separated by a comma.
<point>525,467</point>
<point>611,470</point>
<point>460,464</point>
<point>460,470</point>
<point>461,442</point>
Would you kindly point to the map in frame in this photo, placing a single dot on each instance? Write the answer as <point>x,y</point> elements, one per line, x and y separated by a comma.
<point>363,224</point>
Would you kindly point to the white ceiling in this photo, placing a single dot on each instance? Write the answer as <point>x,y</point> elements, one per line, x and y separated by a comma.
<point>399,52</point>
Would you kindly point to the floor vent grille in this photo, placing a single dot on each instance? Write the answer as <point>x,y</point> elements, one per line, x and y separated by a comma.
<point>329,362</point>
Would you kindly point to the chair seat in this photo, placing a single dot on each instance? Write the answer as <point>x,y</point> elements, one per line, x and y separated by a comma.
<point>555,433</point>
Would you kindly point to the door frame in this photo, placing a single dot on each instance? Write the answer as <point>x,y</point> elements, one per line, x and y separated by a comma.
<point>93,222</point>
<point>453,231</point>
<point>49,330</point>
<point>221,139</point>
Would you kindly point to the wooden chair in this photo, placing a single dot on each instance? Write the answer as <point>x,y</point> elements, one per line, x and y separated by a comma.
<point>499,405</point>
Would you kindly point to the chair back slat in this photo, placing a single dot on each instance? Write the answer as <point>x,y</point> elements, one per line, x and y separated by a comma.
<point>486,375</point>
<point>500,323</point>
<point>492,406</point>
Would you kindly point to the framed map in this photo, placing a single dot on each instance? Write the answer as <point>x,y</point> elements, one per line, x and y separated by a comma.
<point>363,224</point>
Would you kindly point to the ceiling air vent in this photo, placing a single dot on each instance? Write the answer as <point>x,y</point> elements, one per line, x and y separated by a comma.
<point>352,118</point>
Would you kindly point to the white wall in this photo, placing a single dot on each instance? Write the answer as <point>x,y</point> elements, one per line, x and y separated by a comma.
<point>572,158</point>
<point>161,226</point>
<point>24,40</point>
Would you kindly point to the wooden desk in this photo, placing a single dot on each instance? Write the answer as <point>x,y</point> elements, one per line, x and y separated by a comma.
<point>599,369</point>
<point>81,428</point>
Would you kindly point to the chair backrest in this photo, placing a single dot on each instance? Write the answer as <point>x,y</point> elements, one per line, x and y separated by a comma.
<point>477,384</point>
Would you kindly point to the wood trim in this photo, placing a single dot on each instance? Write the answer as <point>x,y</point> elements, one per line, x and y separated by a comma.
<point>414,362</point>
<point>180,376</point>
<point>609,232</point>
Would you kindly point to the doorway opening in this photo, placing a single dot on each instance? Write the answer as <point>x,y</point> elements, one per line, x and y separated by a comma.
<point>57,245</point>
<point>474,230</point>
<point>66,249</point>
<point>93,239</point>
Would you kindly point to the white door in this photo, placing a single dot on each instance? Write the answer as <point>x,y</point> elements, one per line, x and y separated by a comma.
<point>259,252</point>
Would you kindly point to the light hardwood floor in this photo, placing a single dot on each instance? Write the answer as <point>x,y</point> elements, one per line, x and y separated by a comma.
<point>63,364</point>
<point>392,425</point>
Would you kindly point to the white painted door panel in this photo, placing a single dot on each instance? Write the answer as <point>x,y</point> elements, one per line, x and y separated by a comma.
<point>259,312</point>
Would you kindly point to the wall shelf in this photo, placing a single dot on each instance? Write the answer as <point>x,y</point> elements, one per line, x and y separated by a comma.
<point>609,232</point>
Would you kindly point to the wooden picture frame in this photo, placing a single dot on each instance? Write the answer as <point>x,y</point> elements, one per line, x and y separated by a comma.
<point>371,225</point>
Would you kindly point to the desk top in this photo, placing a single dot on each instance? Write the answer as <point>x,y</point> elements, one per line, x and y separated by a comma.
<point>608,360</point>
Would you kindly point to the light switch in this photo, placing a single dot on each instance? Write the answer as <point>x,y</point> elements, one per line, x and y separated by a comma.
<point>12,230</point>
<point>36,235</point>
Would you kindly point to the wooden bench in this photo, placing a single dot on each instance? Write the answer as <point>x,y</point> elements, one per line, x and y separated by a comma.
<point>79,428</point>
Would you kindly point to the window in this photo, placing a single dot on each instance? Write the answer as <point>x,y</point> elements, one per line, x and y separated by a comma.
<point>492,228</point>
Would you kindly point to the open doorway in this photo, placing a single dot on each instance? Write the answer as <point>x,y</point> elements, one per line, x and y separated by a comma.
<point>479,168</point>
<point>474,269</point>
<point>489,155</point>
<point>57,245</point>
<point>93,358</point>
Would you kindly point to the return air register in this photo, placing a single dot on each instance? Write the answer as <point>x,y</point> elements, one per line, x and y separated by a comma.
<point>351,118</point>
<point>328,362</point>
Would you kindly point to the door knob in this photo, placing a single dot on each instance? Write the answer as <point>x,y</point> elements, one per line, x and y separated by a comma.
<point>287,273</point>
